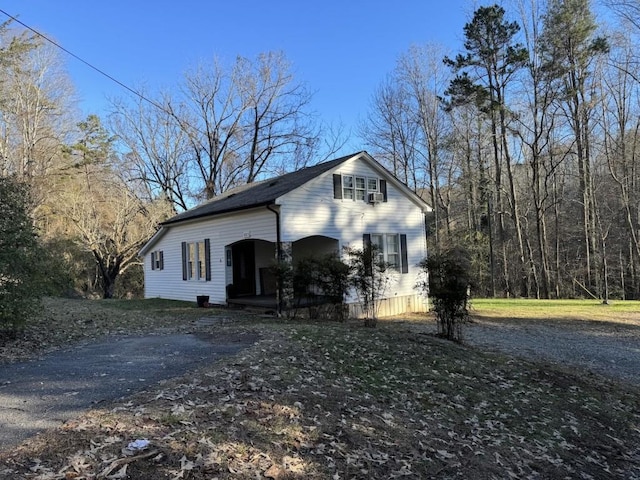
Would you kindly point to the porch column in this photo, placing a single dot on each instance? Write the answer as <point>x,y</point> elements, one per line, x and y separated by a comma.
<point>285,289</point>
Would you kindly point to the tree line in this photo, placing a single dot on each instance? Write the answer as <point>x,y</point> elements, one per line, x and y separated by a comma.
<point>524,142</point>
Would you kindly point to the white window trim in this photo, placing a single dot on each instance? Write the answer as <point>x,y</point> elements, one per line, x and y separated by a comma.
<point>351,192</point>
<point>351,189</point>
<point>194,273</point>
<point>363,189</point>
<point>157,260</point>
<point>385,248</point>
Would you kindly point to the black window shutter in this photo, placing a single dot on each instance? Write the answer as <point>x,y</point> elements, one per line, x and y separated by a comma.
<point>383,189</point>
<point>366,241</point>
<point>337,185</point>
<point>184,260</point>
<point>161,253</point>
<point>153,260</point>
<point>403,253</point>
<point>207,259</point>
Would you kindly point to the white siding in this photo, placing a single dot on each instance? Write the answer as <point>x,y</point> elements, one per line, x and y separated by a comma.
<point>221,231</point>
<point>312,210</point>
<point>307,211</point>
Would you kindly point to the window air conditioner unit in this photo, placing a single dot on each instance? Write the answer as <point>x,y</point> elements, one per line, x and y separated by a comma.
<point>376,197</point>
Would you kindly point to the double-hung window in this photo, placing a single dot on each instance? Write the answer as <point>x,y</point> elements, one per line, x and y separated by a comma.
<point>372,185</point>
<point>347,187</point>
<point>361,188</point>
<point>390,248</point>
<point>392,252</point>
<point>157,260</point>
<point>378,244</point>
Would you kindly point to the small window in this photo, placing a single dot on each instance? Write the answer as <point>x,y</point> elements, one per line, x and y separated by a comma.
<point>372,185</point>
<point>201,265</point>
<point>157,260</point>
<point>192,261</point>
<point>361,188</point>
<point>347,187</point>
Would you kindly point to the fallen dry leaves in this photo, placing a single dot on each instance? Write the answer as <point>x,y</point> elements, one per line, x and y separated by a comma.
<point>339,401</point>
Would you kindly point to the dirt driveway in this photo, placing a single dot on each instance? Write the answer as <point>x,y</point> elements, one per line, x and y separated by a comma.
<point>45,392</point>
<point>611,349</point>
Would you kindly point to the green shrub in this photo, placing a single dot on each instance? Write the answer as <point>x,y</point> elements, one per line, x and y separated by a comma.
<point>449,282</point>
<point>21,258</point>
<point>317,280</point>
<point>370,279</point>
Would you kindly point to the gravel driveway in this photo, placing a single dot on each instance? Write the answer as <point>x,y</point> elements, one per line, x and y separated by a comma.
<point>45,392</point>
<point>606,348</point>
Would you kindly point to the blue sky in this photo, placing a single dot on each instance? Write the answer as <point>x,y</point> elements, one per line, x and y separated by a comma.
<point>341,49</point>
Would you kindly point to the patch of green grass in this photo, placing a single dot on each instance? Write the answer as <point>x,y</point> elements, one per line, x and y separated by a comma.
<point>560,309</point>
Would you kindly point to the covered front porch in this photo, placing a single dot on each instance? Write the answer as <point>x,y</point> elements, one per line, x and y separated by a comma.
<point>251,271</point>
<point>269,303</point>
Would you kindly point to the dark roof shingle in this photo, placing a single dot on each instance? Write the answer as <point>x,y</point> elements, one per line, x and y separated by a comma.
<point>256,194</point>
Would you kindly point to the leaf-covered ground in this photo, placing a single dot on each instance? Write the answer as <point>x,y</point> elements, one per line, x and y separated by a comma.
<point>319,400</point>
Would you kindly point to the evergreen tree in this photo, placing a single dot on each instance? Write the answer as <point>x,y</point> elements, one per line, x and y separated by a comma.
<point>484,72</point>
<point>20,277</point>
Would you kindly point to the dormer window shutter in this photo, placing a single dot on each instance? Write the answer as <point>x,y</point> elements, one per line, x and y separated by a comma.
<point>337,186</point>
<point>383,189</point>
<point>153,260</point>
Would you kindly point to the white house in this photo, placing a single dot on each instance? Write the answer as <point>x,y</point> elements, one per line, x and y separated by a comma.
<point>223,248</point>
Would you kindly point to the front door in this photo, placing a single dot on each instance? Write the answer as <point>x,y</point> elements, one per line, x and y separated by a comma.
<point>244,268</point>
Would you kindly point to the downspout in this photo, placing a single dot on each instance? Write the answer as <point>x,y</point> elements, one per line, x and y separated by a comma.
<point>280,291</point>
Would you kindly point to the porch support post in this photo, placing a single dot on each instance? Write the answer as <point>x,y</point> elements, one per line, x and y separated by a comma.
<point>285,289</point>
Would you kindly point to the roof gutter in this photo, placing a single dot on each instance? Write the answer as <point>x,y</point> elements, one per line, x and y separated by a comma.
<point>280,290</point>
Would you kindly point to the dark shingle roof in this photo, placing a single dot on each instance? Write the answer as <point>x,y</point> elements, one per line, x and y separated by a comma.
<point>256,194</point>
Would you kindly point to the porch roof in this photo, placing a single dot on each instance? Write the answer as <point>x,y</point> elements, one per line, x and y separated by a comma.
<point>256,194</point>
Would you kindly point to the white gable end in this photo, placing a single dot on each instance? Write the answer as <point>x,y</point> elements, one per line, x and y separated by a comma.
<point>313,210</point>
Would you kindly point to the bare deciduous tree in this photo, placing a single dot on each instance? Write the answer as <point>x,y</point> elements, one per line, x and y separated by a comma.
<point>103,213</point>
<point>36,111</point>
<point>225,127</point>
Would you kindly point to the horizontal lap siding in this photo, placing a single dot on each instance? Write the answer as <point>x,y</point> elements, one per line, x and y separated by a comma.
<point>312,210</point>
<point>415,303</point>
<point>221,231</point>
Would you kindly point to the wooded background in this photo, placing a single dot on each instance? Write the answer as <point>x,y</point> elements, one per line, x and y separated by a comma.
<point>524,140</point>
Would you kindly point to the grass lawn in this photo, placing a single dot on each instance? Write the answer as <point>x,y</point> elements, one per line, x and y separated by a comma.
<point>316,400</point>
<point>560,310</point>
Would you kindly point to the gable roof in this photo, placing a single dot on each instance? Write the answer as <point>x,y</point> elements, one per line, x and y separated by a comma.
<point>256,194</point>
<point>265,192</point>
